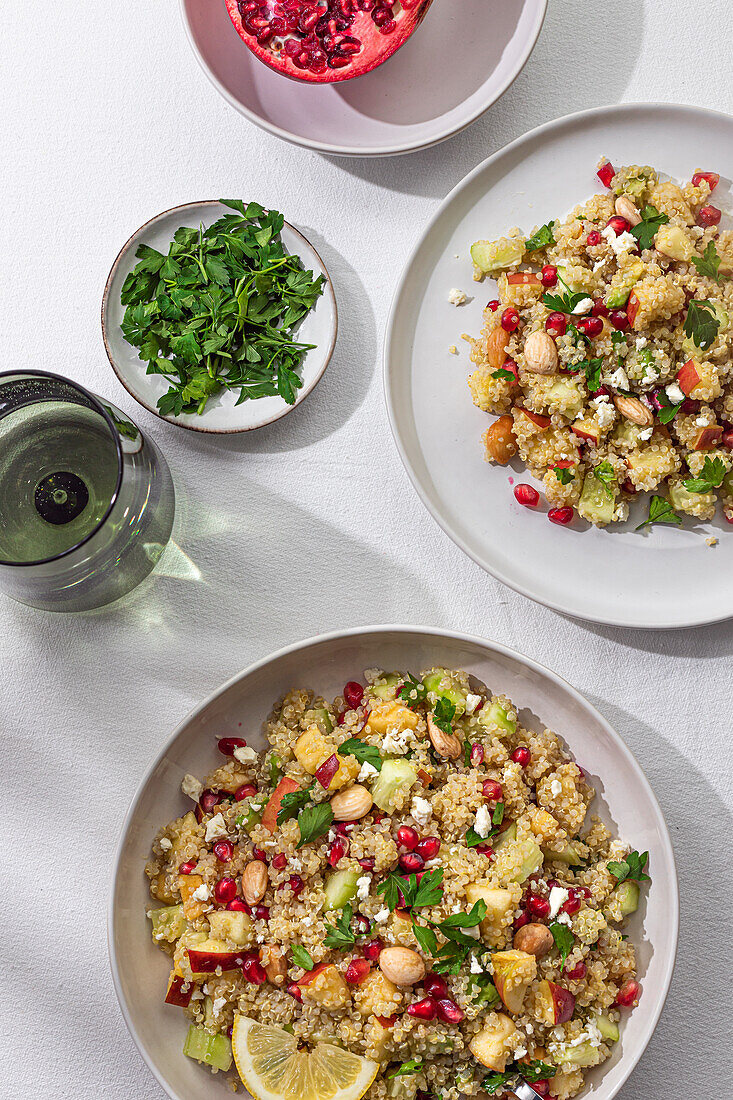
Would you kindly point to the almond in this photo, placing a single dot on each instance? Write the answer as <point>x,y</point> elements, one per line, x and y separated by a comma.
<point>401,965</point>
<point>254,881</point>
<point>446,745</point>
<point>496,343</point>
<point>351,804</point>
<point>540,353</point>
<point>634,409</point>
<point>275,965</point>
<point>626,209</point>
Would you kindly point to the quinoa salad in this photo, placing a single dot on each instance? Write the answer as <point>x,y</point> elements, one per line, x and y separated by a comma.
<point>607,355</point>
<point>403,896</point>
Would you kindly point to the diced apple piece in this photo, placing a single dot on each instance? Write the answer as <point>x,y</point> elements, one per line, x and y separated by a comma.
<point>391,716</point>
<point>540,422</point>
<point>588,428</point>
<point>490,1046</point>
<point>688,376</point>
<point>672,241</point>
<point>632,308</point>
<point>707,437</point>
<point>378,1039</point>
<point>175,994</point>
<point>205,957</point>
<point>311,749</point>
<point>188,885</point>
<point>375,995</point>
<point>272,809</point>
<point>499,904</point>
<point>232,925</point>
<point>514,971</point>
<point>325,987</point>
<point>553,1004</point>
<point>523,278</point>
<point>491,256</point>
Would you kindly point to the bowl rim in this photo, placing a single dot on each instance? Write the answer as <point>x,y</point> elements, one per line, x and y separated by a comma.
<point>388,150</point>
<point>302,393</point>
<point>416,630</point>
<point>388,356</point>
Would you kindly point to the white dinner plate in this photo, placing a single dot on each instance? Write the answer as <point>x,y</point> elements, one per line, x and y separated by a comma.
<point>477,47</point>
<point>660,577</point>
<point>624,800</point>
<point>222,414</point>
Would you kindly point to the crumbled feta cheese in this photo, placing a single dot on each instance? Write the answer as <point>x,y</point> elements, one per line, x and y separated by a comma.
<point>600,264</point>
<point>583,306</point>
<point>646,433</point>
<point>520,1052</point>
<point>651,374</point>
<point>430,863</point>
<point>621,511</point>
<point>624,242</point>
<point>674,393</point>
<point>382,915</point>
<point>472,701</point>
<point>558,896</point>
<point>556,787</point>
<point>218,1004</point>
<point>201,893</point>
<point>245,755</point>
<point>457,297</point>
<point>295,864</point>
<point>397,742</point>
<point>215,828</point>
<point>605,412</point>
<point>702,421</point>
<point>482,824</point>
<point>619,379</point>
<point>421,810</point>
<point>191,787</point>
<point>475,966</point>
<point>362,887</point>
<point>641,342</point>
<point>367,771</point>
<point>564,918</point>
<point>165,844</point>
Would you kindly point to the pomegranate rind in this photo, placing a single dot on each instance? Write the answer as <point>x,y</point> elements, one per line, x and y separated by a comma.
<point>376,47</point>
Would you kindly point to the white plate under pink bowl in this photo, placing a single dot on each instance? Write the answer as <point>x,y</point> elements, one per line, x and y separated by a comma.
<point>456,64</point>
<point>625,801</point>
<point>661,577</point>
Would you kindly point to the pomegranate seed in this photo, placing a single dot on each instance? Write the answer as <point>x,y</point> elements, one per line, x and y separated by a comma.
<point>727,439</point>
<point>526,495</point>
<point>538,907</point>
<point>510,320</point>
<point>377,816</point>
<point>327,770</point>
<point>280,861</point>
<point>223,850</point>
<point>485,850</point>
<point>411,862</point>
<point>577,973</point>
<point>353,694</point>
<point>492,790</point>
<point>225,889</point>
<point>427,1009</point>
<point>343,828</point>
<point>407,837</point>
<point>366,864</point>
<point>428,848</point>
<point>476,755</point>
<point>236,905</point>
<point>337,851</point>
<point>361,925</point>
<point>493,305</point>
<point>521,920</point>
<point>435,986</point>
<point>711,177</point>
<point>227,745</point>
<point>594,238</point>
<point>600,309</point>
<point>708,215</point>
<point>245,791</point>
<point>208,800</point>
<point>572,905</point>
<point>340,718</point>
<point>187,867</point>
<point>689,405</point>
<point>449,1012</point>
<point>542,1088</point>
<point>261,912</point>
<point>606,173</point>
<point>258,853</point>
<point>556,324</point>
<point>295,883</point>
<point>590,326</point>
<point>372,950</point>
<point>583,891</point>
<point>253,970</point>
<point>522,756</point>
<point>295,991</point>
<point>548,276</point>
<point>628,995</point>
<point>618,224</point>
<point>357,971</point>
<point>619,318</point>
<point>563,516</point>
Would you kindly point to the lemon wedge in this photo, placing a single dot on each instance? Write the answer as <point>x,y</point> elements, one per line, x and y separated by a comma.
<point>272,1067</point>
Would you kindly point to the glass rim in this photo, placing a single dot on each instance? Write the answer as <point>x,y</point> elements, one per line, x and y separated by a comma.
<point>98,407</point>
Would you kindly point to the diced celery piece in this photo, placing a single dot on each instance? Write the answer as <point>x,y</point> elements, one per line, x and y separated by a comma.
<point>395,775</point>
<point>626,433</point>
<point>402,1088</point>
<point>628,896</point>
<point>213,1050</point>
<point>168,923</point>
<point>339,890</point>
<point>597,502</point>
<point>568,855</point>
<point>495,715</point>
<point>532,860</point>
<point>682,500</point>
<point>436,682</point>
<point>608,1029</point>
<point>275,766</point>
<point>324,718</point>
<point>493,256</point>
<point>585,1054</point>
<point>387,689</point>
<point>249,818</point>
<point>728,483</point>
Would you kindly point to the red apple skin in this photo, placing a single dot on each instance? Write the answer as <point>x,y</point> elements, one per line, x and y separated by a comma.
<point>206,962</point>
<point>688,377</point>
<point>632,308</point>
<point>563,1002</point>
<point>175,996</point>
<point>582,434</point>
<point>523,278</point>
<point>707,438</point>
<point>541,421</point>
<point>311,974</point>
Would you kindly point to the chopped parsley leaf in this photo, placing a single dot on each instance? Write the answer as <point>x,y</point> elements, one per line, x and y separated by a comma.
<point>564,939</point>
<point>301,957</point>
<point>443,714</point>
<point>339,934</point>
<point>633,867</point>
<point>660,511</point>
<point>365,754</point>
<point>313,822</point>
<point>604,473</point>
<point>701,323</point>
<point>710,477</point>
<point>543,238</point>
<point>709,263</point>
<point>647,228</point>
<point>564,474</point>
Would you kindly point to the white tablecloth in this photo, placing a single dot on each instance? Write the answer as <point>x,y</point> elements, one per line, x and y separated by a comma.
<point>305,526</point>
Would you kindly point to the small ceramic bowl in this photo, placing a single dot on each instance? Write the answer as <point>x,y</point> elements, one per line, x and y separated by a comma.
<point>624,801</point>
<point>222,414</point>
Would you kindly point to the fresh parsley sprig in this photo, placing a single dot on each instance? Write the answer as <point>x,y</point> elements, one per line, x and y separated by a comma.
<point>292,803</point>
<point>701,322</point>
<point>708,263</point>
<point>651,221</point>
<point>507,375</point>
<point>631,867</point>
<point>444,713</point>
<point>364,753</point>
<point>660,511</point>
<point>339,935</point>
<point>301,957</point>
<point>564,939</point>
<point>428,891</point>
<point>543,238</point>
<point>710,477</point>
<point>413,692</point>
<point>564,474</point>
<point>313,822</point>
<point>604,473</point>
<point>415,1065</point>
<point>530,1071</point>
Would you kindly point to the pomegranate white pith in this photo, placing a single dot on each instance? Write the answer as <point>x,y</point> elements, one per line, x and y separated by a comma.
<point>323,41</point>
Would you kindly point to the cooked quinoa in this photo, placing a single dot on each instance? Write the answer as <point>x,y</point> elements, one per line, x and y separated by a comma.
<point>607,355</point>
<point>462,812</point>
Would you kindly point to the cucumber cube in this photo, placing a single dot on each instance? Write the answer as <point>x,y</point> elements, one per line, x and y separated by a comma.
<point>387,690</point>
<point>212,1050</point>
<point>495,715</point>
<point>608,1029</point>
<point>339,890</point>
<point>628,897</point>
<point>492,256</point>
<point>395,775</point>
<point>168,923</point>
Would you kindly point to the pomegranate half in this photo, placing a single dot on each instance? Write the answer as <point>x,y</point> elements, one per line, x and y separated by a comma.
<point>322,41</point>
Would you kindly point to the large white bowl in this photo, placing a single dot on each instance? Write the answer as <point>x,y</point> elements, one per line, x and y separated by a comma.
<point>625,800</point>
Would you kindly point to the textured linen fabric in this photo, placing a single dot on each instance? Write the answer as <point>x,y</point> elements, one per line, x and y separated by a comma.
<point>305,526</point>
